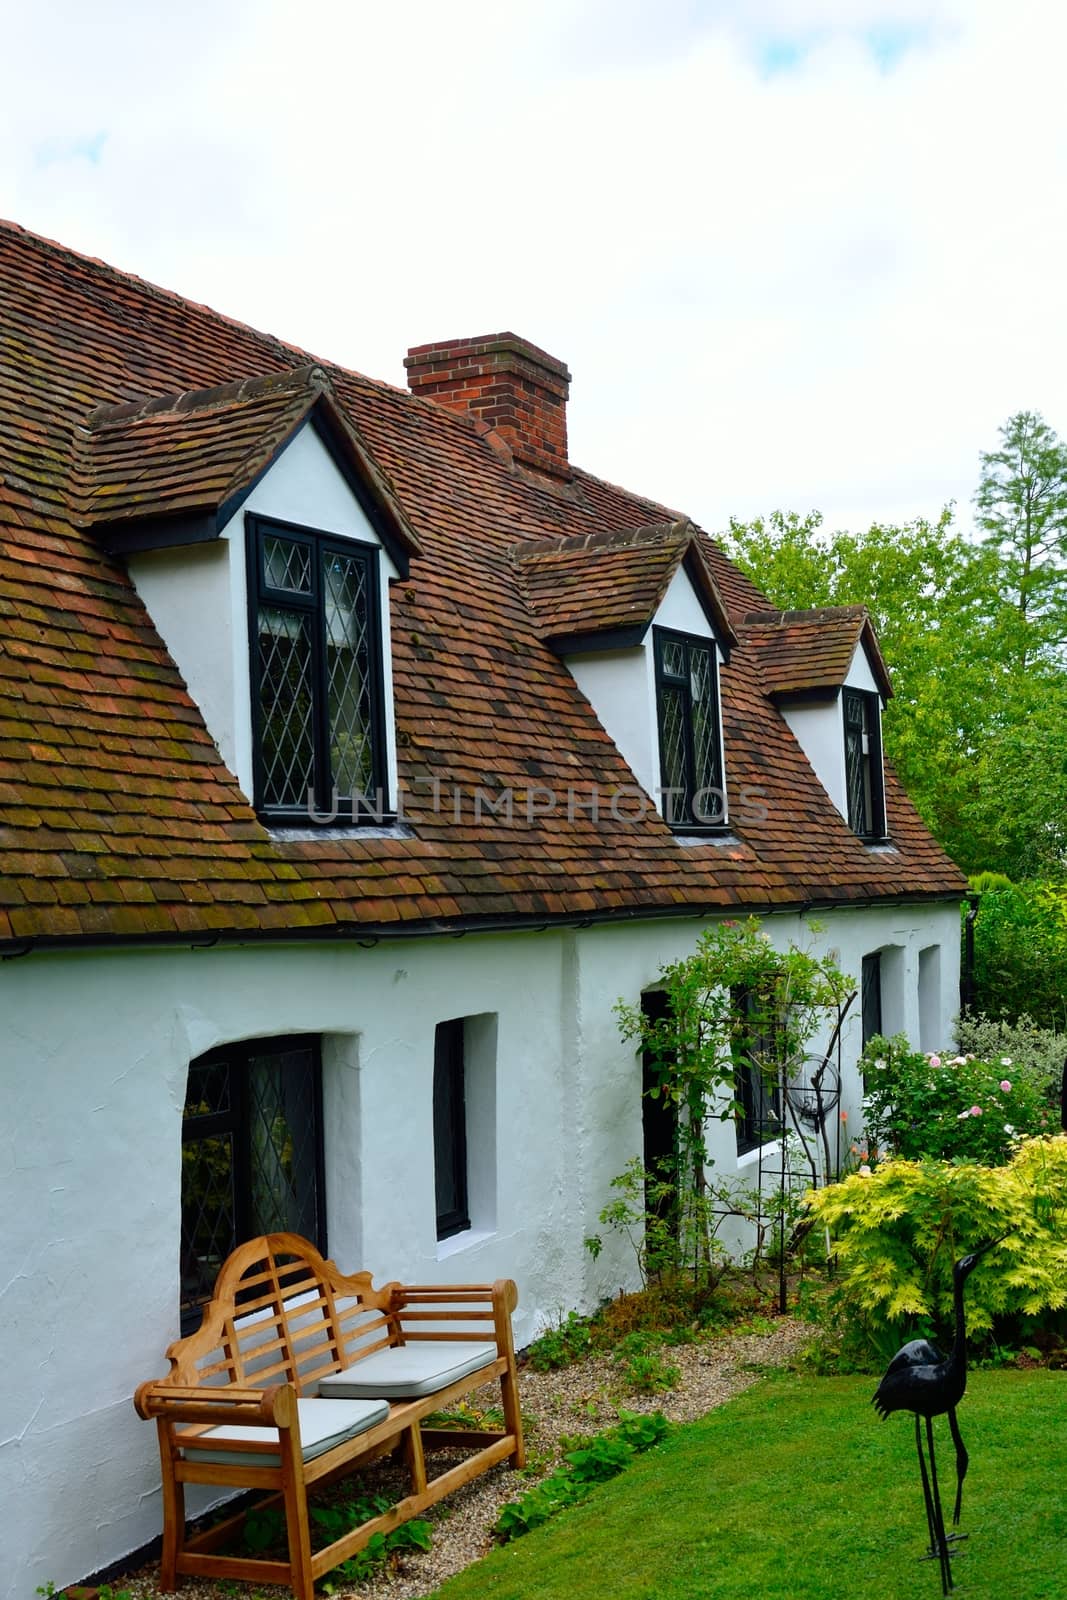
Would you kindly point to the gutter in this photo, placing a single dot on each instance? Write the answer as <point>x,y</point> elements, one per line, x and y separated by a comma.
<point>369,934</point>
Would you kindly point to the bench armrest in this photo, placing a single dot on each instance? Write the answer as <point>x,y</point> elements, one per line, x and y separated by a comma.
<point>218,1405</point>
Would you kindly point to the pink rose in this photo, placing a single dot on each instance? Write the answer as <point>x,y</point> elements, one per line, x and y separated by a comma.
<point>1005,1086</point>
<point>935,1061</point>
<point>976,1111</point>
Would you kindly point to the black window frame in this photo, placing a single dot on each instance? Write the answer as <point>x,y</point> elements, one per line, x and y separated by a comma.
<point>327,808</point>
<point>679,814</point>
<point>870,827</point>
<point>235,1121</point>
<point>450,1129</point>
<point>758,1114</point>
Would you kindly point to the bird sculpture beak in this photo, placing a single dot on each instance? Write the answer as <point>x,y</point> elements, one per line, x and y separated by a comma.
<point>983,1249</point>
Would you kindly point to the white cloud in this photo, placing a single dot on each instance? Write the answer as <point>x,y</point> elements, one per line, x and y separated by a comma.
<point>823,284</point>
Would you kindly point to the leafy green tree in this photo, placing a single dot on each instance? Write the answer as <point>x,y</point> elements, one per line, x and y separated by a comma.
<point>1021,503</point>
<point>977,728</point>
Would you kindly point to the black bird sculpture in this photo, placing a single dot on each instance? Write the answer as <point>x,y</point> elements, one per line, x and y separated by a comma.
<point>922,1380</point>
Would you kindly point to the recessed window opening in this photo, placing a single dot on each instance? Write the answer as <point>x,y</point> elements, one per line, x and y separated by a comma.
<point>756,1090</point>
<point>863,764</point>
<point>252,1158</point>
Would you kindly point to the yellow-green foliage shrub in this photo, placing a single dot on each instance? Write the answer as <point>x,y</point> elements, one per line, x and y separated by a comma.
<point>897,1232</point>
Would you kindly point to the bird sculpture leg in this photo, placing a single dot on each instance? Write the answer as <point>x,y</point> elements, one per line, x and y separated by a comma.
<point>928,1502</point>
<point>962,1462</point>
<point>939,1520</point>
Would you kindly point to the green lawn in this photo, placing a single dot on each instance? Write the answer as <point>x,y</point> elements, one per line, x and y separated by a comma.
<point>795,1491</point>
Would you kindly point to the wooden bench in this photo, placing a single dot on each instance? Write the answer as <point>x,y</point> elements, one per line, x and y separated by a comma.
<point>300,1373</point>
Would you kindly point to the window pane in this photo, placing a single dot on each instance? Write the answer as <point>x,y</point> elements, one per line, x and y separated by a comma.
<point>450,1130</point>
<point>674,658</point>
<point>857,777</point>
<point>282,1144</point>
<point>348,672</point>
<point>705,731</point>
<point>286,702</point>
<point>209,1214</point>
<point>208,1090</point>
<point>286,564</point>
<point>672,748</point>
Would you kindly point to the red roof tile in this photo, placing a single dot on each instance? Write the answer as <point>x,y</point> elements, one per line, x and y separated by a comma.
<point>613,582</point>
<point>801,652</point>
<point>118,818</point>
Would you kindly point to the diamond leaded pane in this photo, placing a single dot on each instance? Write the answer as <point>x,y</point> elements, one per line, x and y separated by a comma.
<point>208,1090</point>
<point>346,618</point>
<point>286,564</point>
<point>672,741</point>
<point>209,1214</point>
<point>282,1139</point>
<point>704,712</point>
<point>674,658</point>
<point>856,776</point>
<point>287,742</point>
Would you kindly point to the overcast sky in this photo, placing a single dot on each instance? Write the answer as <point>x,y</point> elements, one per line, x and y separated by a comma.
<point>796,253</point>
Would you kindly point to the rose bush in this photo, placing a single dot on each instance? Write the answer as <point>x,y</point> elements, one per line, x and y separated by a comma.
<point>946,1106</point>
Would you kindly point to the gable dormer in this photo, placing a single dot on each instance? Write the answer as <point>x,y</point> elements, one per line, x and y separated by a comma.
<point>262,539</point>
<point>639,620</point>
<point>825,672</point>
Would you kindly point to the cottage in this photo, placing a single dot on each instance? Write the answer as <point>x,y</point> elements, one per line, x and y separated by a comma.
<point>358,751</point>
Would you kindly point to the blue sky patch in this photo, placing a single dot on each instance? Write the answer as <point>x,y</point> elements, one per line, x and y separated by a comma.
<point>75,147</point>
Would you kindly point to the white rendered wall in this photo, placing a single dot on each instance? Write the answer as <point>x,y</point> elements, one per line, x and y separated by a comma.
<point>197,596</point>
<point>94,1055</point>
<point>620,685</point>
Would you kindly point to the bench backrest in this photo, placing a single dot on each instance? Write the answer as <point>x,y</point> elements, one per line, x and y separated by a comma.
<point>282,1313</point>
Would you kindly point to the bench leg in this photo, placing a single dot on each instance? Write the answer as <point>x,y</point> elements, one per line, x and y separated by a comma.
<point>173,1515</point>
<point>296,1523</point>
<point>415,1458</point>
<point>509,1393</point>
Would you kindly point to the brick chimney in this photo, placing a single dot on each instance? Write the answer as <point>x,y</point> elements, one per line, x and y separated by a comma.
<point>519,390</point>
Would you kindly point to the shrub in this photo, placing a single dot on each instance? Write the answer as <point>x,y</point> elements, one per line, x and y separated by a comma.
<point>898,1231</point>
<point>1020,948</point>
<point>1038,1052</point>
<point>949,1107</point>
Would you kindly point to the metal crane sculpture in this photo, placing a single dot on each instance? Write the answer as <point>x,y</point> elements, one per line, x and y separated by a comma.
<point>922,1380</point>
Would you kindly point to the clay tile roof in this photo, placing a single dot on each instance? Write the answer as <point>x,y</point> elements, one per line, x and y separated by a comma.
<point>613,582</point>
<point>119,819</point>
<point>808,652</point>
<point>202,451</point>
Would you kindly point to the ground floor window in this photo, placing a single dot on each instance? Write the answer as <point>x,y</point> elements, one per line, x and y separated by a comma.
<point>871,996</point>
<point>450,1129</point>
<point>759,1113</point>
<point>251,1155</point>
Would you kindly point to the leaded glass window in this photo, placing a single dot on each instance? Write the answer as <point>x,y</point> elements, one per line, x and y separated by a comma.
<point>863,763</point>
<point>757,1093</point>
<point>251,1155</point>
<point>316,675</point>
<point>690,741</point>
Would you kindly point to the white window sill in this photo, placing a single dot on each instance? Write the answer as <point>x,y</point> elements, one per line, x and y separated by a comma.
<point>751,1158</point>
<point>463,1241</point>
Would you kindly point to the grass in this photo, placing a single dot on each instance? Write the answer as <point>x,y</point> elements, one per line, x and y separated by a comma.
<point>795,1491</point>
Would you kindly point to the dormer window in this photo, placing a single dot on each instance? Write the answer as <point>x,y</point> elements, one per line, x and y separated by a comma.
<point>316,674</point>
<point>863,763</point>
<point>690,742</point>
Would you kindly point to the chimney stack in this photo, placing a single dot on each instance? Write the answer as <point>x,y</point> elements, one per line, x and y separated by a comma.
<point>519,390</point>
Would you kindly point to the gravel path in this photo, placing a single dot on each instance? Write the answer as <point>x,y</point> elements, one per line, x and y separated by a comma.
<point>583,1398</point>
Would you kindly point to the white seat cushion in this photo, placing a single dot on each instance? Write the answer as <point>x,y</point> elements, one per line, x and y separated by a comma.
<point>408,1371</point>
<point>323,1423</point>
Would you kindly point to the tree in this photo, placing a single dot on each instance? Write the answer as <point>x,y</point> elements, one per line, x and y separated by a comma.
<point>977,727</point>
<point>1021,502</point>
